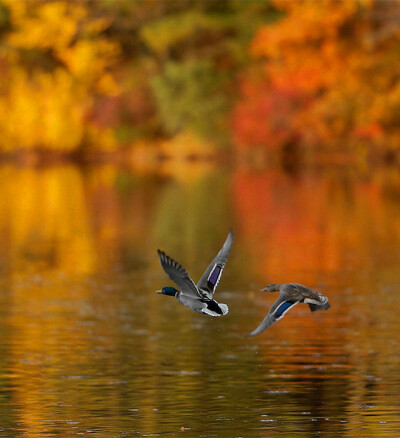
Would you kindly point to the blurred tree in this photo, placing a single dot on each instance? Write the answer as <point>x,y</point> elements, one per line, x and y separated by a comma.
<point>96,75</point>
<point>56,59</point>
<point>198,48</point>
<point>188,97</point>
<point>331,77</point>
<point>4,18</point>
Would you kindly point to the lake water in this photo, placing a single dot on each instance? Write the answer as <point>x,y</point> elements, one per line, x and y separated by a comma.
<point>89,349</point>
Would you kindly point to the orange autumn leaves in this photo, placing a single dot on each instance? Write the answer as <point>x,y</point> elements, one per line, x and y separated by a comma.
<point>329,78</point>
<point>323,75</point>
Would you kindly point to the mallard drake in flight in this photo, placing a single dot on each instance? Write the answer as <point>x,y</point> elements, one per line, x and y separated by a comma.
<point>197,297</point>
<point>290,295</point>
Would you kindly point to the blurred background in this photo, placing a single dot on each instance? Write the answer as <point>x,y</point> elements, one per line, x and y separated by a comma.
<point>136,80</point>
<point>127,126</point>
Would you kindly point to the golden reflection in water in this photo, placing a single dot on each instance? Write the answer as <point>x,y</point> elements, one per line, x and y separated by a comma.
<point>55,226</point>
<point>44,218</point>
<point>86,328</point>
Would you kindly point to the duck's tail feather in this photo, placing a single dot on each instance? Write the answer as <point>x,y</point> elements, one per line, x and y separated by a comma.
<point>210,312</point>
<point>314,307</point>
<point>224,308</point>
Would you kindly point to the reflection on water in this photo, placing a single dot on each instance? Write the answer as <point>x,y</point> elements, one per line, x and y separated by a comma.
<point>88,348</point>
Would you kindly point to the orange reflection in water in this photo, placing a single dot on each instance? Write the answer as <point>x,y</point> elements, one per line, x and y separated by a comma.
<point>88,339</point>
<point>337,231</point>
<point>310,224</point>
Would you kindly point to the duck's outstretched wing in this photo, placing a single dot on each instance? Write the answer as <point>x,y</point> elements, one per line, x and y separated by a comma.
<point>277,311</point>
<point>177,273</point>
<point>210,279</point>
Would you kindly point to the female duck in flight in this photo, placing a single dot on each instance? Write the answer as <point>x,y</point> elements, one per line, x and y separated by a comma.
<point>290,295</point>
<point>197,297</point>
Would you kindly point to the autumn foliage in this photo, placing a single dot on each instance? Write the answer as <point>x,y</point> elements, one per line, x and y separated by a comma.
<point>56,59</point>
<point>82,77</point>
<point>330,78</point>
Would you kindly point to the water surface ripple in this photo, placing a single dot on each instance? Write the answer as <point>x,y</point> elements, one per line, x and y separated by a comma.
<point>88,348</point>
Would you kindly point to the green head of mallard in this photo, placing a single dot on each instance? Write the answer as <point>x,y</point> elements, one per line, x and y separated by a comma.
<point>168,290</point>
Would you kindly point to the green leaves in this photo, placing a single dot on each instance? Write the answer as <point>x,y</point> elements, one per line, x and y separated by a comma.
<point>188,96</point>
<point>167,33</point>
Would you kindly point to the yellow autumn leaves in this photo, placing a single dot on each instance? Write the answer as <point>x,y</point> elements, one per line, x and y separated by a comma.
<point>55,60</point>
<point>82,77</point>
